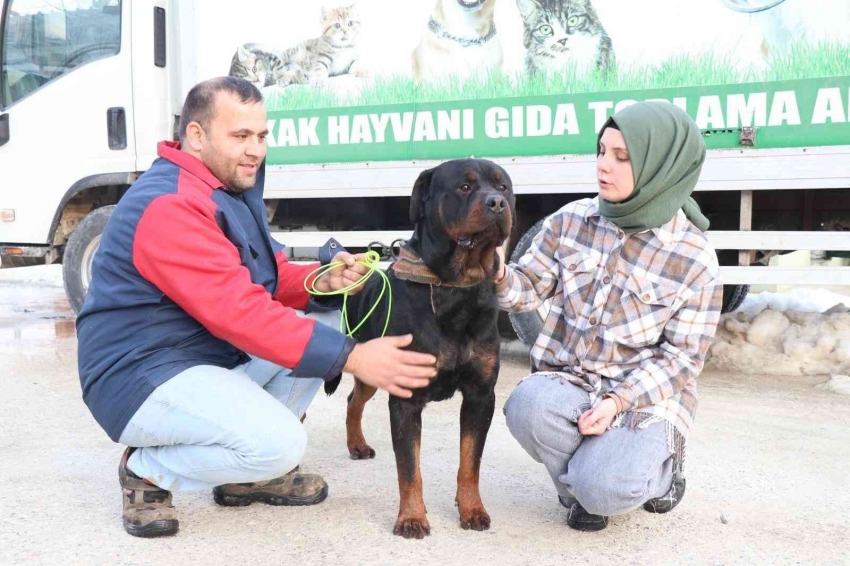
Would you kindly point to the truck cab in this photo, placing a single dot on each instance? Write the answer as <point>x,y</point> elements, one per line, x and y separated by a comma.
<point>76,78</point>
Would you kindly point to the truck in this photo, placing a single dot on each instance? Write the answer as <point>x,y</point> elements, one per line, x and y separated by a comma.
<point>363,96</point>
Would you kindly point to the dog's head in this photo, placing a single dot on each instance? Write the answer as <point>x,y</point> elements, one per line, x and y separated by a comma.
<point>472,5</point>
<point>462,211</point>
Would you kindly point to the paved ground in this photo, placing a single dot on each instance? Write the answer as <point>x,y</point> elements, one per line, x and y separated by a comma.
<point>770,455</point>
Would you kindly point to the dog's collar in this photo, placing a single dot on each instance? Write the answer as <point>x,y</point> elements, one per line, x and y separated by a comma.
<point>438,30</point>
<point>408,266</point>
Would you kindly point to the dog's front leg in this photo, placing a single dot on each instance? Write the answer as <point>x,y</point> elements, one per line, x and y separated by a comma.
<point>406,425</point>
<point>476,414</point>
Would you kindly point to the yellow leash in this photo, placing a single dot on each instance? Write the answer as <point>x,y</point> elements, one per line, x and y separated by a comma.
<point>371,261</point>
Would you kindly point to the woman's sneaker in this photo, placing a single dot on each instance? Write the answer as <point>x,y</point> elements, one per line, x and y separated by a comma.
<point>580,520</point>
<point>147,508</point>
<point>667,502</point>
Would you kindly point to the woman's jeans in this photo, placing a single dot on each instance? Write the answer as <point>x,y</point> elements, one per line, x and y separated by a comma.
<point>610,474</point>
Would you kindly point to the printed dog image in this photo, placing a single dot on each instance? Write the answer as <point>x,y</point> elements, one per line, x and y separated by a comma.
<point>442,294</point>
<point>460,39</point>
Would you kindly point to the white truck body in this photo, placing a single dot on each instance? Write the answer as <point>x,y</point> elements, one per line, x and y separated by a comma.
<point>772,71</point>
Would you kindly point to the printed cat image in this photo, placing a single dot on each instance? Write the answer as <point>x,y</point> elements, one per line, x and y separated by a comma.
<point>252,62</point>
<point>312,62</point>
<point>563,34</point>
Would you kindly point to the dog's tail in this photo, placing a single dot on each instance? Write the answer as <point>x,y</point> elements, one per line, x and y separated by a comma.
<point>332,384</point>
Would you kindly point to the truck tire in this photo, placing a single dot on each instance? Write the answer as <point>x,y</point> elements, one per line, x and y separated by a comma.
<point>733,296</point>
<point>79,252</point>
<point>528,325</point>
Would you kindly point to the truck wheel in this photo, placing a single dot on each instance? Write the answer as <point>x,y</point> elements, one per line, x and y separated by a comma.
<point>79,253</point>
<point>528,325</point>
<point>733,296</point>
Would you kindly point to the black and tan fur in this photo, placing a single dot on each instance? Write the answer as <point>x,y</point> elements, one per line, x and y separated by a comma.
<point>462,211</point>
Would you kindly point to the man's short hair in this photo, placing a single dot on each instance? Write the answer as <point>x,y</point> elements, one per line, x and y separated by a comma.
<point>200,102</point>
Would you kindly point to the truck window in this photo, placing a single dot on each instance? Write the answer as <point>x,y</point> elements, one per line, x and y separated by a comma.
<point>44,39</point>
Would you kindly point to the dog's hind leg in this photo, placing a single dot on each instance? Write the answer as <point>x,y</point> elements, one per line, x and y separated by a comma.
<point>357,447</point>
<point>406,425</point>
<point>476,413</point>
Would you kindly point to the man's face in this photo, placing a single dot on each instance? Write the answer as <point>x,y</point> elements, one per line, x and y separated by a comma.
<point>235,141</point>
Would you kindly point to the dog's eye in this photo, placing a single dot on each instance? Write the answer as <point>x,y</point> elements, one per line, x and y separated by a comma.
<point>503,188</point>
<point>464,187</point>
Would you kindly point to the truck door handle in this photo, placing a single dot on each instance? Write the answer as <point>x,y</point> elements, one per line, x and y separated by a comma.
<point>116,128</point>
<point>4,129</point>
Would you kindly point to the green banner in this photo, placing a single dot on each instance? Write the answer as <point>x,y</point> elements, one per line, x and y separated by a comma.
<point>810,112</point>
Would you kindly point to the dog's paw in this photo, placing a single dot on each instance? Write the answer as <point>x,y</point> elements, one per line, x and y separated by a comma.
<point>361,452</point>
<point>412,527</point>
<point>477,520</point>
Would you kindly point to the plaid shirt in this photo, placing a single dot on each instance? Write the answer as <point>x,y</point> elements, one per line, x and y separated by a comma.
<point>631,314</point>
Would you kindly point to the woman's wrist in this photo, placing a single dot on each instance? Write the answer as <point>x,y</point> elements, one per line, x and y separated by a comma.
<point>617,401</point>
<point>501,274</point>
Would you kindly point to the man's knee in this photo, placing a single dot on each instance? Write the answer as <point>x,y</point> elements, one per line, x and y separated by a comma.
<point>275,448</point>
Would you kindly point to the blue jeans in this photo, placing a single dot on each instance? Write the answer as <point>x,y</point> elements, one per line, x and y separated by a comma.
<point>209,426</point>
<point>610,474</point>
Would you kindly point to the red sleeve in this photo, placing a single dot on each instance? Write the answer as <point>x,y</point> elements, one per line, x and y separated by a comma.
<point>179,247</point>
<point>290,282</point>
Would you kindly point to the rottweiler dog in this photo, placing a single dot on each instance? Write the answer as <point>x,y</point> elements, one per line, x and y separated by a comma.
<point>462,211</point>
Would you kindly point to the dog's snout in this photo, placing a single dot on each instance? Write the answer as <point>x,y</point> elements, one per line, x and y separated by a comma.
<point>496,203</point>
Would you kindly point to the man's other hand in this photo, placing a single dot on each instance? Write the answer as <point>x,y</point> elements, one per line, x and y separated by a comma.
<point>383,363</point>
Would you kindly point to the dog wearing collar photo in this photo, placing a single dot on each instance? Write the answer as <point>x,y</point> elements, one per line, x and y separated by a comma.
<point>442,293</point>
<point>460,38</point>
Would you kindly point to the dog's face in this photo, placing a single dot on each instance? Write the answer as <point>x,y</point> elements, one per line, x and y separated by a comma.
<point>466,206</point>
<point>472,5</point>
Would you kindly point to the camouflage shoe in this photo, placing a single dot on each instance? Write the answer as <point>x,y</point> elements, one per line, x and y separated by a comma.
<point>147,508</point>
<point>293,488</point>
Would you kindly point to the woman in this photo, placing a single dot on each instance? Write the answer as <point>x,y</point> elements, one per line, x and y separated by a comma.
<point>636,301</point>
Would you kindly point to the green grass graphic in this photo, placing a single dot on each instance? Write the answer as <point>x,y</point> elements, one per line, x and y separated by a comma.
<point>801,61</point>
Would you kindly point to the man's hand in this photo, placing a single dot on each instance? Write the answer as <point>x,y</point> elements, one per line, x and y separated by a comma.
<point>502,271</point>
<point>382,363</point>
<point>342,276</point>
<point>596,421</point>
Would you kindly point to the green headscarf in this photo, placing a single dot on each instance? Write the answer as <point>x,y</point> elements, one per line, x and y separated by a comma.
<point>667,153</point>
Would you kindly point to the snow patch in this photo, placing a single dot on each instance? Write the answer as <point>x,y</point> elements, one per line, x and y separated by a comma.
<point>837,383</point>
<point>803,332</point>
<point>34,276</point>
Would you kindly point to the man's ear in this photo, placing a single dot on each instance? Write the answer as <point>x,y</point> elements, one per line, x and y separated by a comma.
<point>420,191</point>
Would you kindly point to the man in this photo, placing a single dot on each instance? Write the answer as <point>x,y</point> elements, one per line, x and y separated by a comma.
<point>191,352</point>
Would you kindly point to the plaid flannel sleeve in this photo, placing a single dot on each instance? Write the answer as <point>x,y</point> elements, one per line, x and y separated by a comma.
<point>535,277</point>
<point>680,356</point>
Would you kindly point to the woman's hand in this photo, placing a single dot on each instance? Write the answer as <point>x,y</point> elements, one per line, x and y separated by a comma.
<point>596,421</point>
<point>502,271</point>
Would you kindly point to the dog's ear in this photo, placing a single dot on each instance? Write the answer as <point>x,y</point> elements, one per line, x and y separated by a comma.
<point>420,191</point>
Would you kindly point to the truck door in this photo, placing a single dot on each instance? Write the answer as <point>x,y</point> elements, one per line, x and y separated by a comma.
<point>66,107</point>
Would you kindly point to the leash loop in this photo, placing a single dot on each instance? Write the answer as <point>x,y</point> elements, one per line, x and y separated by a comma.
<point>371,261</point>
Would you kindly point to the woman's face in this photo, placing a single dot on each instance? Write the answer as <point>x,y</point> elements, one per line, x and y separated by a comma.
<point>614,167</point>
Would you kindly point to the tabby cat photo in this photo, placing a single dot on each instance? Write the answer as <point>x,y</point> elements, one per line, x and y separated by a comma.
<point>312,62</point>
<point>560,35</point>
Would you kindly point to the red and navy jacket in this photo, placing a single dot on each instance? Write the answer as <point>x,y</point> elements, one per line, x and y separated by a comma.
<point>187,274</point>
